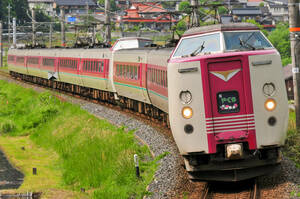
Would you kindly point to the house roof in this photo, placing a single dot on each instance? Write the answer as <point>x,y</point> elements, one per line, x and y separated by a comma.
<point>75,2</point>
<point>287,70</point>
<point>246,11</point>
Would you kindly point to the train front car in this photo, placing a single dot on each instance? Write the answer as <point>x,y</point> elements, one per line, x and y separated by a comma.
<point>228,106</point>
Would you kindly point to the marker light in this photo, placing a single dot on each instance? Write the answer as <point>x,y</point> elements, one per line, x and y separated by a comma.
<point>187,112</point>
<point>270,104</point>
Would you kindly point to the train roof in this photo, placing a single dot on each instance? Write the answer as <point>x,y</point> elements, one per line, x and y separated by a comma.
<point>220,27</point>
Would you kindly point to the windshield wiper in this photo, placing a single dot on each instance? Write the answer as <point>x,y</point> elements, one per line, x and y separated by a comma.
<point>198,50</point>
<point>246,45</point>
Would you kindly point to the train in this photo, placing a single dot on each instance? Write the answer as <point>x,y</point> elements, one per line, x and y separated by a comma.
<point>220,90</point>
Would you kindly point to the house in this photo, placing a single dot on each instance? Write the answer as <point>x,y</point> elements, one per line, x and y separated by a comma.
<point>46,5</point>
<point>288,76</point>
<point>279,12</point>
<point>151,15</point>
<point>240,14</point>
<point>76,7</point>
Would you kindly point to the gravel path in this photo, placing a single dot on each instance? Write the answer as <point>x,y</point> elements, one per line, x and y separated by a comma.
<point>170,179</point>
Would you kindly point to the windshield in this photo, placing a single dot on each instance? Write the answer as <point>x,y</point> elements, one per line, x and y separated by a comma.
<point>245,40</point>
<point>194,45</point>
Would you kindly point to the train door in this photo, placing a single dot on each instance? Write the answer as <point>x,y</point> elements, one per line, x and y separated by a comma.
<point>226,88</point>
<point>231,107</point>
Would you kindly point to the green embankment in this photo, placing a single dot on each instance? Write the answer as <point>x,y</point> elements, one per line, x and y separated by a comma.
<point>70,148</point>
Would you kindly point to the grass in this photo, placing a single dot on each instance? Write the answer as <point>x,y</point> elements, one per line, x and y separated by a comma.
<point>292,146</point>
<point>73,147</point>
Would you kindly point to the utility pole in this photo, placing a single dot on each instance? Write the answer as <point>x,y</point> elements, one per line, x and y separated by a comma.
<point>62,25</point>
<point>14,33</point>
<point>8,20</point>
<point>294,21</point>
<point>1,45</point>
<point>33,27</point>
<point>107,21</point>
<point>195,14</point>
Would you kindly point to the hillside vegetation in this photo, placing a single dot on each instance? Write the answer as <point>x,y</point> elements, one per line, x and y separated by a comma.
<point>83,151</point>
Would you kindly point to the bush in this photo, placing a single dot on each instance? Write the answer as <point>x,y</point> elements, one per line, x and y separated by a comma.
<point>7,127</point>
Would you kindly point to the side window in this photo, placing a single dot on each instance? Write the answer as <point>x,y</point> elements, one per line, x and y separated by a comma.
<point>117,70</point>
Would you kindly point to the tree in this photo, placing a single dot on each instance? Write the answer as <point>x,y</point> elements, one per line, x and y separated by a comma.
<point>113,6</point>
<point>184,6</point>
<point>280,38</point>
<point>18,10</point>
<point>261,4</point>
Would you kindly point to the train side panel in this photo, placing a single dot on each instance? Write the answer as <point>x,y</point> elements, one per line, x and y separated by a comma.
<point>130,74</point>
<point>268,135</point>
<point>94,68</point>
<point>157,82</point>
<point>49,62</point>
<point>68,66</point>
<point>33,62</point>
<point>191,81</point>
<point>19,63</point>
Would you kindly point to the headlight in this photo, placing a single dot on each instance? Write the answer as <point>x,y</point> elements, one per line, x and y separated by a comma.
<point>187,112</point>
<point>270,104</point>
<point>185,97</point>
<point>269,89</point>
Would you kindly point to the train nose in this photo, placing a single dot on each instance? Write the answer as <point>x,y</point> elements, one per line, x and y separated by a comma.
<point>234,151</point>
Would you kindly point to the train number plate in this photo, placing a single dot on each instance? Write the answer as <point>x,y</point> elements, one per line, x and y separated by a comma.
<point>228,102</point>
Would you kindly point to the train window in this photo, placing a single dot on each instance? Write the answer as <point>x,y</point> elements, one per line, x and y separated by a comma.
<point>251,40</point>
<point>135,73</point>
<point>127,71</point>
<point>48,62</point>
<point>102,66</point>
<point>11,58</point>
<point>194,45</point>
<point>33,60</point>
<point>166,79</point>
<point>20,60</point>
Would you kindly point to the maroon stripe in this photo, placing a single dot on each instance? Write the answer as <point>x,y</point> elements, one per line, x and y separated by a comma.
<point>227,122</point>
<point>231,119</point>
<point>234,128</point>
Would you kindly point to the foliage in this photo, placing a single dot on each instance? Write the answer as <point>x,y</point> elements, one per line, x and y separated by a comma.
<point>18,10</point>
<point>93,154</point>
<point>261,4</point>
<point>292,145</point>
<point>168,5</point>
<point>184,6</point>
<point>113,6</point>
<point>222,10</point>
<point>266,33</point>
<point>280,38</point>
<point>181,26</point>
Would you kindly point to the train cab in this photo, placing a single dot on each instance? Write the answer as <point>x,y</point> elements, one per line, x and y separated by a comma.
<point>228,107</point>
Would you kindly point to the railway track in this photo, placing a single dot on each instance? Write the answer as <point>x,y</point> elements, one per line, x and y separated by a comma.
<point>242,190</point>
